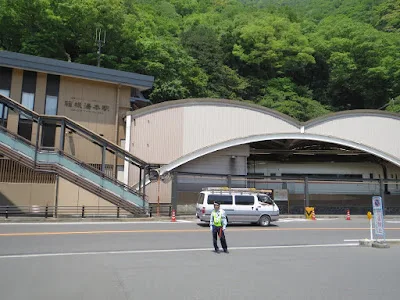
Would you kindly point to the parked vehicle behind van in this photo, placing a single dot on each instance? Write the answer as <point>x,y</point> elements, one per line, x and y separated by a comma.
<point>242,205</point>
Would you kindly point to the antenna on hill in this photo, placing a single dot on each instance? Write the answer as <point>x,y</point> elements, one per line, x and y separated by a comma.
<point>100,41</point>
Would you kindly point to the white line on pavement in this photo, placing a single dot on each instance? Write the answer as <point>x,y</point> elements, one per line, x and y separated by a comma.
<point>356,240</point>
<point>284,220</point>
<point>173,250</point>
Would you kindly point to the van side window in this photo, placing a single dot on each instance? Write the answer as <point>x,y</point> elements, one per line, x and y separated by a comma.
<point>265,199</point>
<point>222,199</point>
<point>244,200</point>
<point>200,199</point>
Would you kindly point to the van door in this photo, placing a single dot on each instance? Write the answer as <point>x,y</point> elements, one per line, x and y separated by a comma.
<point>200,204</point>
<point>244,208</point>
<point>226,203</point>
<point>266,204</point>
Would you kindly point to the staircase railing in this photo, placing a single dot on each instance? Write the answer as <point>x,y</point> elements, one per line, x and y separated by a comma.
<point>64,128</point>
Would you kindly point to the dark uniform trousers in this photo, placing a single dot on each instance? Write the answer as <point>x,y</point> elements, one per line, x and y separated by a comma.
<point>217,231</point>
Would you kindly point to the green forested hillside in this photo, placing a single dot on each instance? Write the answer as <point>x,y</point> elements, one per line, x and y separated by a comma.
<point>301,57</point>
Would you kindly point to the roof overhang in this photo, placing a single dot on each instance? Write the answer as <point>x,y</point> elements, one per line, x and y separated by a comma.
<point>59,67</point>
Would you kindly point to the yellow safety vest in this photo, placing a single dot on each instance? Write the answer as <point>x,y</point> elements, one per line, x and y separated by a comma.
<point>217,218</point>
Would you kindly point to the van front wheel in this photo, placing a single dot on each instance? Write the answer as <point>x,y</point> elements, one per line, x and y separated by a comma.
<point>264,221</point>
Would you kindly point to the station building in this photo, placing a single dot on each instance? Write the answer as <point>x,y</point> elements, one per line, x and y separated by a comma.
<point>333,162</point>
<point>96,98</point>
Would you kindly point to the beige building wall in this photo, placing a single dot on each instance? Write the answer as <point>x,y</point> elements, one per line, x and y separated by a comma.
<point>27,194</point>
<point>71,195</point>
<point>152,192</point>
<point>40,100</point>
<point>158,137</point>
<point>374,131</point>
<point>163,136</point>
<point>92,105</point>
<point>207,125</point>
<point>15,94</point>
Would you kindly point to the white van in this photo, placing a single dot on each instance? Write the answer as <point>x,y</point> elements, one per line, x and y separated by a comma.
<point>242,205</point>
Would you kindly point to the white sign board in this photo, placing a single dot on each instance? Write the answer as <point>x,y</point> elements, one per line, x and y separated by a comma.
<point>378,217</point>
<point>281,195</point>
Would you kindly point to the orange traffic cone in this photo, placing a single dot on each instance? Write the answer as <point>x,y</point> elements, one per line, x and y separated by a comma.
<point>348,215</point>
<point>173,218</point>
<point>313,216</point>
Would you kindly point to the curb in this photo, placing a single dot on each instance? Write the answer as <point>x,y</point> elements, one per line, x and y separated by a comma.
<point>378,244</point>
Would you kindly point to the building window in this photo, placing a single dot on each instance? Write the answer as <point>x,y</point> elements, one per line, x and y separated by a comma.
<point>5,87</point>
<point>5,115</point>
<point>51,107</point>
<point>28,101</point>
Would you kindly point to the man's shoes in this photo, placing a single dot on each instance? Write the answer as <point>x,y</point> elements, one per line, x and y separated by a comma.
<point>216,250</point>
<point>226,251</point>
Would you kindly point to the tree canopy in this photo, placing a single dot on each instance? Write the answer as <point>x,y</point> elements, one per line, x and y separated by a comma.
<point>303,58</point>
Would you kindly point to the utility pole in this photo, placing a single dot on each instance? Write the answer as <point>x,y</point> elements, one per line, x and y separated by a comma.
<point>100,41</point>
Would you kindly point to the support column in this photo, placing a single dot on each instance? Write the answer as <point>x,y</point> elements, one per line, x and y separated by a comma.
<point>128,124</point>
<point>56,196</point>
<point>103,159</point>
<point>140,180</point>
<point>382,194</point>
<point>174,194</point>
<point>306,193</point>
<point>62,135</point>
<point>229,181</point>
<point>144,185</point>
<point>37,140</point>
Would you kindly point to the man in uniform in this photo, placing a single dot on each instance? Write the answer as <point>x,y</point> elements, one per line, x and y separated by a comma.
<point>217,226</point>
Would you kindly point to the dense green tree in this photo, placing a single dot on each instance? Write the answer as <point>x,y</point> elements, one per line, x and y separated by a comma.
<point>357,55</point>
<point>303,58</point>
<point>285,96</point>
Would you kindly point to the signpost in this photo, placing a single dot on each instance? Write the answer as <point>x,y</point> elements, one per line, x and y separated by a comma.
<point>378,217</point>
<point>369,216</point>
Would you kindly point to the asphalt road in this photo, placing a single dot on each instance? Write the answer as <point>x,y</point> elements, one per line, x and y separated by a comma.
<point>292,260</point>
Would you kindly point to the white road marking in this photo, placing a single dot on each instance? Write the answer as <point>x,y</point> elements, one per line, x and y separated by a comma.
<point>288,220</point>
<point>172,250</point>
<point>97,223</point>
<point>356,240</point>
<point>393,222</point>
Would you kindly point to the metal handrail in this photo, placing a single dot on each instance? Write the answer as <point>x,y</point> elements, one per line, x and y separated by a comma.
<point>13,105</point>
<point>80,211</point>
<point>72,211</point>
<point>77,161</point>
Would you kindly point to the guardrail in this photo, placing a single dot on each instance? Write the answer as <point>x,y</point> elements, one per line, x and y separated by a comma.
<point>162,210</point>
<point>68,212</point>
<point>37,211</point>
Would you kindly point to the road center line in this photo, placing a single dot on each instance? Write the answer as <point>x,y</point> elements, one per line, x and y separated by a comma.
<point>175,231</point>
<point>173,250</point>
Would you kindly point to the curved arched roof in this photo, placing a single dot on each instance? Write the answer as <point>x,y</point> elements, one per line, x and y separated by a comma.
<point>175,132</point>
<point>255,107</point>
